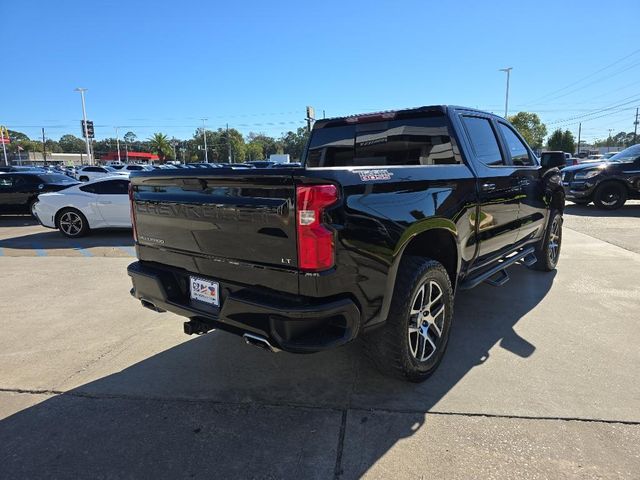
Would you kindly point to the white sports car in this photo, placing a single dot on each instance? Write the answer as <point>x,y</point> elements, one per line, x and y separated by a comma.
<point>101,203</point>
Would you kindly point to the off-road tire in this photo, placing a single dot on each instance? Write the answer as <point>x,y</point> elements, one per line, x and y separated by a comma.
<point>388,346</point>
<point>546,259</point>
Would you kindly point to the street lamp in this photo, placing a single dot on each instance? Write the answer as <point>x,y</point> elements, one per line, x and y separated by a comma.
<point>118,143</point>
<point>506,101</point>
<point>84,117</point>
<point>204,134</point>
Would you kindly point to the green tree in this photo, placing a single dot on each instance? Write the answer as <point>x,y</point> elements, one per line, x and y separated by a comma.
<point>53,146</point>
<point>294,143</point>
<point>17,136</point>
<point>530,127</point>
<point>254,151</point>
<point>159,144</point>
<point>72,144</point>
<point>563,141</point>
<point>130,137</point>
<point>269,144</point>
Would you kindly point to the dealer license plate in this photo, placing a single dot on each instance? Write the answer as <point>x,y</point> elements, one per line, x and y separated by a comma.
<point>205,291</point>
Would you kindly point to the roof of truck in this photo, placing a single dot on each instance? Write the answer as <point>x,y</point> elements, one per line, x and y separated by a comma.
<point>390,114</point>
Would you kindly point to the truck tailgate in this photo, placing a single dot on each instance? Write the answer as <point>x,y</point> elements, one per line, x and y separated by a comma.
<point>235,215</point>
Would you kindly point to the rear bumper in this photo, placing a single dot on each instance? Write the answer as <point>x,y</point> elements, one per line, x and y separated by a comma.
<point>290,323</point>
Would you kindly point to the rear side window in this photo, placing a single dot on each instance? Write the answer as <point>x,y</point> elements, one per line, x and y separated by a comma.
<point>483,140</point>
<point>412,141</point>
<point>518,151</point>
<point>89,188</point>
<point>113,187</point>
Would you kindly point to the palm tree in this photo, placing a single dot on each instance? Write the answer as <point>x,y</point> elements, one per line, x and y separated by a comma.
<point>160,145</point>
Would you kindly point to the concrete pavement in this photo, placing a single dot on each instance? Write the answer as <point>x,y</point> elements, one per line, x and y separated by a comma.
<point>539,382</point>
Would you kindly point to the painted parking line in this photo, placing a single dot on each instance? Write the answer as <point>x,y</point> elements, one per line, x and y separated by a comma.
<point>83,251</point>
<point>40,252</point>
<point>131,251</point>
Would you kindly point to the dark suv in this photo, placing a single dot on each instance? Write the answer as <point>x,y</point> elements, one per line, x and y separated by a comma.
<point>608,184</point>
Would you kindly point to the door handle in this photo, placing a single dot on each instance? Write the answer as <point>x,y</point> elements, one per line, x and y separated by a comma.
<point>488,187</point>
<point>104,202</point>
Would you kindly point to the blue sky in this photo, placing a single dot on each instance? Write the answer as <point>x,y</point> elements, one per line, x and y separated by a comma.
<point>158,66</point>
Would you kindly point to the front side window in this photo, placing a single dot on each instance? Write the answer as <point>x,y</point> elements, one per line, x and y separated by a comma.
<point>410,141</point>
<point>519,153</point>
<point>483,140</point>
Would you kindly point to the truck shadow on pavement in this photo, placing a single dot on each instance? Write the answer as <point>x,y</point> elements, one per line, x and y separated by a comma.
<point>214,407</point>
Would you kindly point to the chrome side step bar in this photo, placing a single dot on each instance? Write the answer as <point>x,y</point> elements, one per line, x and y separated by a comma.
<point>527,256</point>
<point>259,342</point>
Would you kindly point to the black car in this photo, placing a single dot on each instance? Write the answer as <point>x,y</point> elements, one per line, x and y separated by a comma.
<point>19,191</point>
<point>608,184</point>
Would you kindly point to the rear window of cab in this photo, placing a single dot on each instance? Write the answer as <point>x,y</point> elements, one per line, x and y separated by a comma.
<point>405,141</point>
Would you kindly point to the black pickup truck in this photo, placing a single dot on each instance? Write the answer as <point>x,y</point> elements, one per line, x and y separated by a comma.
<point>390,214</point>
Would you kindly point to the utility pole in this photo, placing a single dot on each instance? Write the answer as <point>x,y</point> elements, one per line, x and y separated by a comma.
<point>44,149</point>
<point>579,132</point>
<point>204,134</point>
<point>118,144</point>
<point>311,117</point>
<point>609,140</point>
<point>84,117</point>
<point>228,145</point>
<point>506,101</point>
<point>635,129</point>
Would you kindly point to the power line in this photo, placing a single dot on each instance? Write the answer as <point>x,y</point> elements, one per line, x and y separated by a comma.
<point>634,99</point>
<point>585,78</point>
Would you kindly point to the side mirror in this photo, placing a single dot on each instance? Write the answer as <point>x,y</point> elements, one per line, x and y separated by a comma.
<point>553,161</point>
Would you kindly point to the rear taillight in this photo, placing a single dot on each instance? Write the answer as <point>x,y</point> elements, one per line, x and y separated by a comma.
<point>315,241</point>
<point>132,210</point>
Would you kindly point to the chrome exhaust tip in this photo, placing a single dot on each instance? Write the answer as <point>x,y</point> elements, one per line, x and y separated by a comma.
<point>259,342</point>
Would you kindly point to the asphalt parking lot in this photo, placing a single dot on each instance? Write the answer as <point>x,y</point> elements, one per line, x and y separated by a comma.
<point>540,381</point>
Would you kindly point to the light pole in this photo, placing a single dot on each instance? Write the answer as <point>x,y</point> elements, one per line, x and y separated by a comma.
<point>118,144</point>
<point>506,100</point>
<point>609,140</point>
<point>84,117</point>
<point>204,135</point>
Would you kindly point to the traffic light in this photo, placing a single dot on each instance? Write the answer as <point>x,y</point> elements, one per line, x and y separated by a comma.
<point>89,132</point>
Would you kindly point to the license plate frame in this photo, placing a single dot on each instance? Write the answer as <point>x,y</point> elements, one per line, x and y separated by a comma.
<point>204,291</point>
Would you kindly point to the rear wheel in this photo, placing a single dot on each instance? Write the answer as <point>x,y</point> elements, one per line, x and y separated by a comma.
<point>32,205</point>
<point>548,250</point>
<point>610,196</point>
<point>72,223</point>
<point>412,342</point>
